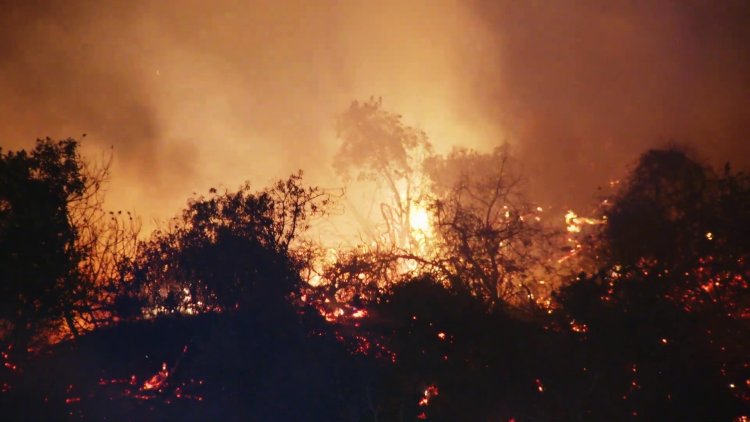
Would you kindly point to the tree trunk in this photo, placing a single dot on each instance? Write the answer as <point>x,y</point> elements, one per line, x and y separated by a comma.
<point>71,324</point>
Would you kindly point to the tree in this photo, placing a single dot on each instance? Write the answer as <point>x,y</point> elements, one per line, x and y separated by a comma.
<point>378,147</point>
<point>41,193</point>
<point>665,315</point>
<point>488,235</point>
<point>477,226</point>
<point>659,212</point>
<point>675,215</point>
<point>230,249</point>
<point>106,241</point>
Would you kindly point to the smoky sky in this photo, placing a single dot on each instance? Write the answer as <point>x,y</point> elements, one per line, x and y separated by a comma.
<point>193,94</point>
<point>586,86</point>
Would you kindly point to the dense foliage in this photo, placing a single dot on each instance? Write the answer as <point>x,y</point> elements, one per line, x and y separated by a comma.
<point>216,321</point>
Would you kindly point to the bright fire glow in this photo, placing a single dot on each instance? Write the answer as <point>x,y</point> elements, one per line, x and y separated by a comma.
<point>574,222</point>
<point>420,230</point>
<point>419,219</point>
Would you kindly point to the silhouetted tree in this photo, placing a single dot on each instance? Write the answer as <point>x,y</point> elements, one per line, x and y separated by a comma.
<point>359,272</point>
<point>674,215</point>
<point>230,249</point>
<point>39,257</point>
<point>482,231</point>
<point>661,213</point>
<point>107,241</point>
<point>665,317</point>
<point>487,233</point>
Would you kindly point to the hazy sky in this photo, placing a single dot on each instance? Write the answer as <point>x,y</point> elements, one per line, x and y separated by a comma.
<point>194,94</point>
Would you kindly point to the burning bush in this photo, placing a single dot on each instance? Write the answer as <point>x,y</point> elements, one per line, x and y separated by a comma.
<point>230,249</point>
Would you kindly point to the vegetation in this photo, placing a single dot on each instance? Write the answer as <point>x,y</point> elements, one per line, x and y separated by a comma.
<point>59,250</point>
<point>211,317</point>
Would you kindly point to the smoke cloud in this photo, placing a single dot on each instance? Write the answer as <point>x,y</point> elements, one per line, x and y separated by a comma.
<point>194,94</point>
<point>585,86</point>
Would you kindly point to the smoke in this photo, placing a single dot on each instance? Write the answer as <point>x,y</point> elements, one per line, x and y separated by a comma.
<point>195,94</point>
<point>585,86</point>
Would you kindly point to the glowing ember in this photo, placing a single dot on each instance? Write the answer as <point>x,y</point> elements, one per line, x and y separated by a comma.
<point>539,385</point>
<point>158,380</point>
<point>578,327</point>
<point>419,220</point>
<point>429,392</point>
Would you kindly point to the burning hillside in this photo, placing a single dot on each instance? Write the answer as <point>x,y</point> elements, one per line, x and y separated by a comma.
<point>461,293</point>
<point>536,221</point>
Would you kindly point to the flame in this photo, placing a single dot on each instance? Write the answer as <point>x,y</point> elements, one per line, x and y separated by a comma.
<point>158,380</point>
<point>574,222</point>
<point>419,220</point>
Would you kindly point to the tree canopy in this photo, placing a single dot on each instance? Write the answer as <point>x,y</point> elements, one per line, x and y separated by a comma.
<point>38,258</point>
<point>230,249</point>
<point>222,322</point>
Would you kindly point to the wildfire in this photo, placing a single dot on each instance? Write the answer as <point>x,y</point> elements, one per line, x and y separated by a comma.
<point>574,225</point>
<point>420,224</point>
<point>162,386</point>
<point>574,222</point>
<point>158,380</point>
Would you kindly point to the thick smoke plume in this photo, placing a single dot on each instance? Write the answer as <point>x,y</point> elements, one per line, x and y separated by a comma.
<point>194,94</point>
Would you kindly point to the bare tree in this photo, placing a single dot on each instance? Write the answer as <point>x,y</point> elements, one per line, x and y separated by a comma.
<point>489,237</point>
<point>483,233</point>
